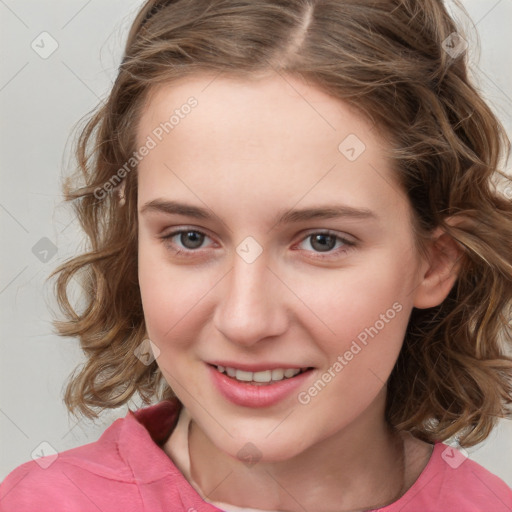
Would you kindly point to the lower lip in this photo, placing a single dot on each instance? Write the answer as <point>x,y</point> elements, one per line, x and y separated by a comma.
<point>254,395</point>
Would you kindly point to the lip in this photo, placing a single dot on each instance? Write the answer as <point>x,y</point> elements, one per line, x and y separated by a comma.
<point>253,395</point>
<point>256,367</point>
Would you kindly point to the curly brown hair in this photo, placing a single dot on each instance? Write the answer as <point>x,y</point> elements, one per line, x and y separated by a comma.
<point>387,58</point>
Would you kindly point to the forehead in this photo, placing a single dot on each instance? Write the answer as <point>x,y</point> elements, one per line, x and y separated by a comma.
<point>274,104</point>
<point>273,135</point>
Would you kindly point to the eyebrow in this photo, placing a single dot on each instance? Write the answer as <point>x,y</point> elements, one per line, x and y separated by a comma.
<point>329,211</point>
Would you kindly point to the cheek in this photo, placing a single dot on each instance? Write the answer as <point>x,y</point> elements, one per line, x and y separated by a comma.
<point>364,313</point>
<point>369,326</point>
<point>354,302</point>
<point>172,298</point>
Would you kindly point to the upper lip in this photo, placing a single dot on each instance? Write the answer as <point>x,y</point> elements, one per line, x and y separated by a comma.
<point>253,367</point>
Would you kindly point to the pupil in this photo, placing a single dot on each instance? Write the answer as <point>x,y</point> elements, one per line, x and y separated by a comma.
<point>322,245</point>
<point>193,236</point>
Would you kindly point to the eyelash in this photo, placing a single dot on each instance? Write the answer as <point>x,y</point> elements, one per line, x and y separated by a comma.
<point>347,244</point>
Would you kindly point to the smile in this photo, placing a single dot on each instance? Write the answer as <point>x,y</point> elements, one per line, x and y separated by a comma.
<point>261,388</point>
<point>260,377</point>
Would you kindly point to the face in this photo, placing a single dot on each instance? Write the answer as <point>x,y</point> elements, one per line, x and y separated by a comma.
<point>272,236</point>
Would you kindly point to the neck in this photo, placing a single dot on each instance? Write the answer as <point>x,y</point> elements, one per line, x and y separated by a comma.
<point>358,468</point>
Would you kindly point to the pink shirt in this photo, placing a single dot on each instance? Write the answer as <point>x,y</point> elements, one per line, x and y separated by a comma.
<point>126,470</point>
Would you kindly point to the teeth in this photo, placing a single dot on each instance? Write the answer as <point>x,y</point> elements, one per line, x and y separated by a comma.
<point>263,376</point>
<point>245,376</point>
<point>277,374</point>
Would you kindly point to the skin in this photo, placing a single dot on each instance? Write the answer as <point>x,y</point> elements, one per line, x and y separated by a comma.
<point>248,151</point>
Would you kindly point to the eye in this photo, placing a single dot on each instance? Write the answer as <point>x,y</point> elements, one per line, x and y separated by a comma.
<point>326,241</point>
<point>190,239</point>
<point>322,242</point>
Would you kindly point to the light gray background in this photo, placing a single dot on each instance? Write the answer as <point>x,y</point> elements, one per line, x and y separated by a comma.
<point>40,102</point>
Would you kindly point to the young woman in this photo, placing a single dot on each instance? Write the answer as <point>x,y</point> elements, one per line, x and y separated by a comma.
<point>300,256</point>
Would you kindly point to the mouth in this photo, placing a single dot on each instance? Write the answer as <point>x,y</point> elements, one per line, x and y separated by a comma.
<point>262,377</point>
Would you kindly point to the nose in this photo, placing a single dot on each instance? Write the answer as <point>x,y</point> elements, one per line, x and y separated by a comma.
<point>252,303</point>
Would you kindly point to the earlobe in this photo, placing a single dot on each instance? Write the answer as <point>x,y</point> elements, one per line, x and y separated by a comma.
<point>440,271</point>
<point>120,189</point>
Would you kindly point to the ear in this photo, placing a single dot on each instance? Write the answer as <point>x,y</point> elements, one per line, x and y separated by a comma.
<point>440,271</point>
<point>120,192</point>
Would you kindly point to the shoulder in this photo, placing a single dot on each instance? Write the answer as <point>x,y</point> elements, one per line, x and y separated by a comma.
<point>70,480</point>
<point>452,481</point>
<point>468,485</point>
<point>112,473</point>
